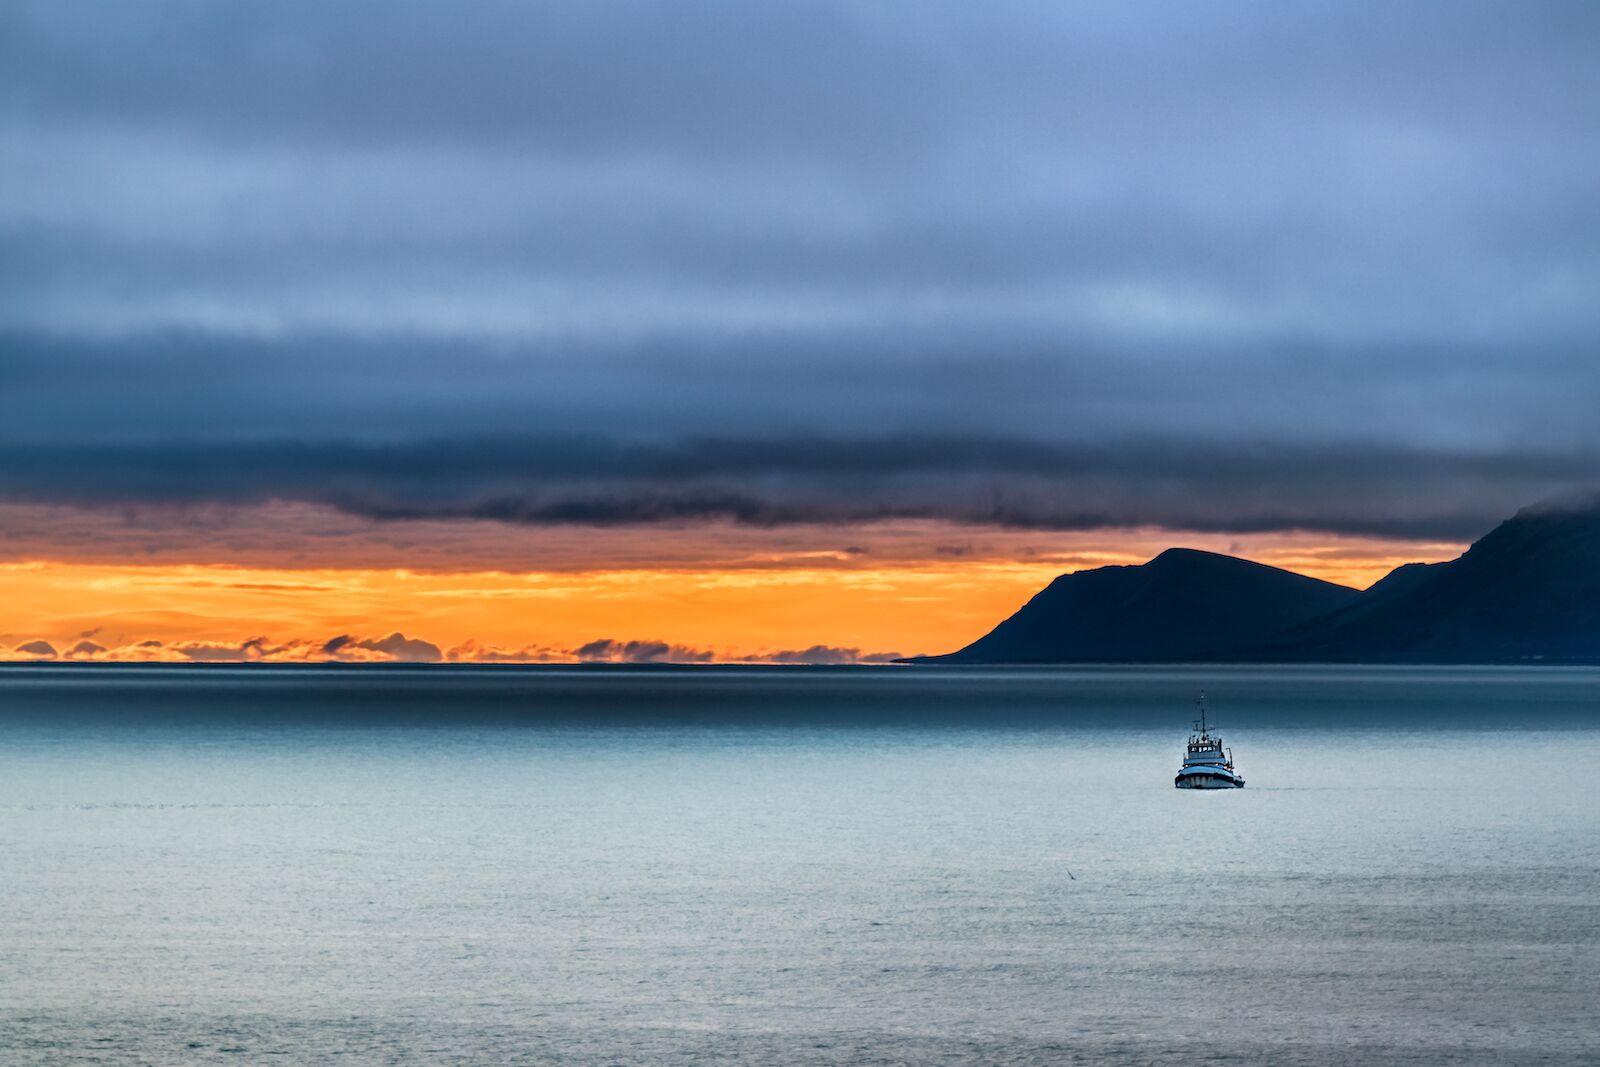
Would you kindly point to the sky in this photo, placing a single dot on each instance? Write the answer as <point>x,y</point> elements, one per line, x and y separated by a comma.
<point>757,331</point>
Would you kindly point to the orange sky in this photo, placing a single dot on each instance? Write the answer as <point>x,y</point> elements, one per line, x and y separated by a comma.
<point>204,584</point>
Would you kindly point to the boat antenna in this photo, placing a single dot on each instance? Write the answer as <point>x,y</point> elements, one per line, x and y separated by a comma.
<point>1202,704</point>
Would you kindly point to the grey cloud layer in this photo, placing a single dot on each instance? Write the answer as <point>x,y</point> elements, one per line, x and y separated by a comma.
<point>1226,265</point>
<point>769,481</point>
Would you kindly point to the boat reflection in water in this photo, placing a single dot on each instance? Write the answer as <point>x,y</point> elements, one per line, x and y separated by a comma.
<point>1206,764</point>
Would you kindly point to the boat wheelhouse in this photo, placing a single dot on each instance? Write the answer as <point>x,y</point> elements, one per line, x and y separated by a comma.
<point>1206,764</point>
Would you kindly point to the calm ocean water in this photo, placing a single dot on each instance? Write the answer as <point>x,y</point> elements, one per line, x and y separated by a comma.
<point>797,866</point>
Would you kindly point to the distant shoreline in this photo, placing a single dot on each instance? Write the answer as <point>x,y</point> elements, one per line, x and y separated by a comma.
<point>910,662</point>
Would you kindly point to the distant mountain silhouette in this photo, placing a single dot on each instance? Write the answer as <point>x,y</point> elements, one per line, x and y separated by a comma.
<point>1529,590</point>
<point>1182,605</point>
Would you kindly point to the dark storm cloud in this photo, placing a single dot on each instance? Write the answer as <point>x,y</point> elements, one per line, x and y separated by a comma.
<point>1228,266</point>
<point>775,481</point>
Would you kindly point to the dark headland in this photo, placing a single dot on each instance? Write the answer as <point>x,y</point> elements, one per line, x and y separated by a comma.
<point>1529,591</point>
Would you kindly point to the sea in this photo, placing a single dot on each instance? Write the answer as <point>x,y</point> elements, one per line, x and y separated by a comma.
<point>886,865</point>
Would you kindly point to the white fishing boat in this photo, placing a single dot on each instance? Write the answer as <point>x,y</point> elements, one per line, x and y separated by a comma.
<point>1206,764</point>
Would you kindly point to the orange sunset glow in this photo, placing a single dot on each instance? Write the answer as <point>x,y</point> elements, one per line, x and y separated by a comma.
<point>694,593</point>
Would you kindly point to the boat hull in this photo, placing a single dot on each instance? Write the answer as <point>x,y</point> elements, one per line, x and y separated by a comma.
<point>1206,763</point>
<point>1208,779</point>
